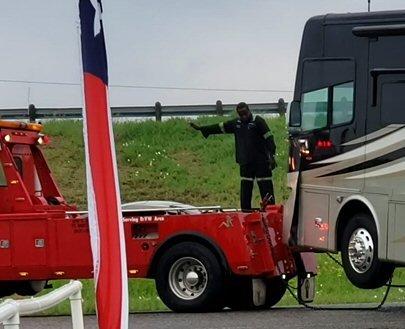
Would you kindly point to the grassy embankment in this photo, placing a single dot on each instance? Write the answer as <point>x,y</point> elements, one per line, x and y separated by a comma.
<point>170,161</point>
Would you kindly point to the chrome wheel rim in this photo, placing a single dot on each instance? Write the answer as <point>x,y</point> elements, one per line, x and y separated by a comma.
<point>361,250</point>
<point>188,278</point>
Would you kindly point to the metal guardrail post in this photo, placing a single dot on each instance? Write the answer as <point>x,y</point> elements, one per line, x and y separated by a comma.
<point>219,108</point>
<point>282,107</point>
<point>158,111</point>
<point>77,310</point>
<point>32,113</point>
<point>13,322</point>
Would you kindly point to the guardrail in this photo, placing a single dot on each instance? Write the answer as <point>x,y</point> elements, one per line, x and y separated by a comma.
<point>157,111</point>
<point>11,310</point>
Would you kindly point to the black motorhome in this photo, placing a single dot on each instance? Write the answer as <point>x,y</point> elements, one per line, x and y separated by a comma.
<point>347,142</point>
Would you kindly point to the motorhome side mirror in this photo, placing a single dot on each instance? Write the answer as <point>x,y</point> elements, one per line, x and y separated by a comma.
<point>295,114</point>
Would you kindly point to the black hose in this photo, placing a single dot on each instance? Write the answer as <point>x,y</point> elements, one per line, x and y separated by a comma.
<point>389,285</point>
<point>322,308</point>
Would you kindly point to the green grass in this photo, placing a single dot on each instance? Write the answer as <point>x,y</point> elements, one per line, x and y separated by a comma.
<point>170,161</point>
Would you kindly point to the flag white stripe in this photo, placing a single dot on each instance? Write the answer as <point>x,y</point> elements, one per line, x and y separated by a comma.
<point>91,200</point>
<point>124,271</point>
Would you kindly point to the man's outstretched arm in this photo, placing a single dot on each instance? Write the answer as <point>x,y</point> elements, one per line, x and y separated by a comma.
<point>218,128</point>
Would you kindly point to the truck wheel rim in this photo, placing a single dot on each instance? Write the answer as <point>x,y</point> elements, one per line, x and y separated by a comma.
<point>361,250</point>
<point>188,278</point>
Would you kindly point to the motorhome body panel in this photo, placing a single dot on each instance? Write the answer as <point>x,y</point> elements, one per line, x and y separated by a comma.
<point>351,147</point>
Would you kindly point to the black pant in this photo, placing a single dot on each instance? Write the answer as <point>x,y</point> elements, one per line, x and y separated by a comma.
<point>260,171</point>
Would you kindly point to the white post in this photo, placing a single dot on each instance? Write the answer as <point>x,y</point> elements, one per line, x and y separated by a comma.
<point>76,310</point>
<point>13,322</point>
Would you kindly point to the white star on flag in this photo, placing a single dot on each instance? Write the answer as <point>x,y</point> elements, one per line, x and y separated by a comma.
<point>97,17</point>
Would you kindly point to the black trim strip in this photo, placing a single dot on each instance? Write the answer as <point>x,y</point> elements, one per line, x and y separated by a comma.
<point>379,30</point>
<point>386,158</point>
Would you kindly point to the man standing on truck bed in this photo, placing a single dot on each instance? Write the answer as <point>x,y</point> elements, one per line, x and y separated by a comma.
<point>255,152</point>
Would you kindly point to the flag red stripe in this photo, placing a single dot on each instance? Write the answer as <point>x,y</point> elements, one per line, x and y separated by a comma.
<point>100,157</point>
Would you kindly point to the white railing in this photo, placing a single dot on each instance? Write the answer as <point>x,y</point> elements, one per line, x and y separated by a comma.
<point>11,310</point>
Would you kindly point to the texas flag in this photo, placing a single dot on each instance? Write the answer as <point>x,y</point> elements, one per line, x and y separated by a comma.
<point>104,205</point>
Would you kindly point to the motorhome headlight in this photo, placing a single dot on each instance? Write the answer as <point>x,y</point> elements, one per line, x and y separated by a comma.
<point>40,141</point>
<point>7,138</point>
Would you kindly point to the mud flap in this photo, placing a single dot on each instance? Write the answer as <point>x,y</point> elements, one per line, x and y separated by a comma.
<point>306,288</point>
<point>258,292</point>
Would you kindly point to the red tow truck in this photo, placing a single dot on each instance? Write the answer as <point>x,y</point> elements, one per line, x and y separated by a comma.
<point>202,259</point>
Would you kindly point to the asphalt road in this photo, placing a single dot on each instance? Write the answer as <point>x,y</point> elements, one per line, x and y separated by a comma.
<point>390,317</point>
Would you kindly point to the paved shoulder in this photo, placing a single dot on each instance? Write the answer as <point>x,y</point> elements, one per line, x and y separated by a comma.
<point>280,318</point>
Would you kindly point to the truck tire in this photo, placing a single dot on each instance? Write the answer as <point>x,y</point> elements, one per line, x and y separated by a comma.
<point>276,289</point>
<point>7,288</point>
<point>359,246</point>
<point>29,288</point>
<point>190,279</point>
<point>240,294</point>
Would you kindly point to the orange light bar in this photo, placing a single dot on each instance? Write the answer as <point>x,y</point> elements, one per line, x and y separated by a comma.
<point>21,125</point>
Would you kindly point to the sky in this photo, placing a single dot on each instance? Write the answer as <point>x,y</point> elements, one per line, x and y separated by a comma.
<point>214,44</point>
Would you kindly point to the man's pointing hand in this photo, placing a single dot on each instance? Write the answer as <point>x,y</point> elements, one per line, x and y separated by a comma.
<point>193,125</point>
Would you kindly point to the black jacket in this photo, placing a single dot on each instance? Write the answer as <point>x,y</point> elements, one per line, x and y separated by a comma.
<point>254,141</point>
